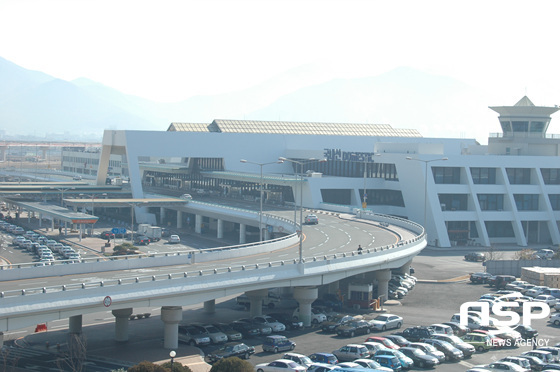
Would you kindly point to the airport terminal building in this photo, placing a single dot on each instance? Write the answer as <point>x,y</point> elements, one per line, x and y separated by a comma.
<point>464,193</point>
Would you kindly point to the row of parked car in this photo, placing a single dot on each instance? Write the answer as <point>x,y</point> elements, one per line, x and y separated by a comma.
<point>45,249</point>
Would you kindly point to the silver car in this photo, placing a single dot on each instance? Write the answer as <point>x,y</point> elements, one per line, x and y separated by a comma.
<point>386,321</point>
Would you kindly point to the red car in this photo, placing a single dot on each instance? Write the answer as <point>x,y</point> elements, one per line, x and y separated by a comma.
<point>385,341</point>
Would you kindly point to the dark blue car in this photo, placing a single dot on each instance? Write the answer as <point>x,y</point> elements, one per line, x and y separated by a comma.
<point>327,358</point>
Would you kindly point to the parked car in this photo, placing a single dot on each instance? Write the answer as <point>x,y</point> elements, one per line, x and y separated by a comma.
<point>350,352</point>
<point>322,367</point>
<point>555,319</point>
<point>501,366</point>
<point>522,362</point>
<point>398,339</point>
<point>370,363</point>
<point>287,320</point>
<point>311,219</point>
<point>384,341</point>
<point>429,349</point>
<point>300,359</point>
<point>237,349</point>
<point>481,342</point>
<point>475,256</point>
<point>405,361</point>
<point>386,321</point>
<point>536,291</point>
<point>502,280</point>
<point>216,336</point>
<point>451,352</point>
<point>353,328</point>
<point>335,321</point>
<point>468,350</point>
<point>547,299</point>
<point>193,336</point>
<point>276,343</point>
<point>480,277</point>
<point>327,358</point>
<point>417,333</point>
<point>271,322</point>
<point>231,333</point>
<point>389,361</point>
<point>317,316</point>
<point>526,332</point>
<point>283,365</point>
<point>247,329</point>
<point>174,239</point>
<point>443,329</point>
<point>419,357</point>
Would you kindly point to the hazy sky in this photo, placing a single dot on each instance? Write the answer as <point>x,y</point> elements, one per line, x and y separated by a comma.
<point>169,50</point>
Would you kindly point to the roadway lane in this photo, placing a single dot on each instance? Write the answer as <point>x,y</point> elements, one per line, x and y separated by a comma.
<point>331,235</point>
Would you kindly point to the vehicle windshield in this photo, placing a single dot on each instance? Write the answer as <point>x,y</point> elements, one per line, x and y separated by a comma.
<point>212,329</point>
<point>381,318</point>
<point>418,352</point>
<point>455,339</point>
<point>226,348</point>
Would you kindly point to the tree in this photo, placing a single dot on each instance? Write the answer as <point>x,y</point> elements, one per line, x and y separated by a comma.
<point>232,364</point>
<point>524,254</point>
<point>146,366</point>
<point>493,254</point>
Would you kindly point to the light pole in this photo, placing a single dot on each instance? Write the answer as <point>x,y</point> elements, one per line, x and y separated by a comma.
<point>62,190</point>
<point>425,183</point>
<point>132,206</point>
<point>172,354</point>
<point>301,164</point>
<point>364,197</point>
<point>261,187</point>
<point>92,199</point>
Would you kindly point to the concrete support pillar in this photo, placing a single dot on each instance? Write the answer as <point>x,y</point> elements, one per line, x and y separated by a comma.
<point>256,300</point>
<point>242,236</point>
<point>1,339</point>
<point>40,220</point>
<point>210,306</point>
<point>383,277</point>
<point>305,297</point>
<point>52,224</point>
<point>179,219</point>
<point>266,234</point>
<point>220,229</point>
<point>171,316</point>
<point>405,269</point>
<point>121,324</point>
<point>161,216</point>
<point>75,324</point>
<point>198,224</point>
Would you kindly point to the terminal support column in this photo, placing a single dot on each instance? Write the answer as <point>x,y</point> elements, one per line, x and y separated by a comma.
<point>171,316</point>
<point>256,300</point>
<point>179,219</point>
<point>305,297</point>
<point>383,277</point>
<point>121,324</point>
<point>210,307</point>
<point>198,223</point>
<point>220,229</point>
<point>405,269</point>
<point>75,324</point>
<point>242,236</point>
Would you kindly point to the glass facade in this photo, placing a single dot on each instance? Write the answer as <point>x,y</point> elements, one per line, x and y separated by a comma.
<point>453,202</point>
<point>519,176</point>
<point>554,201</point>
<point>551,176</point>
<point>354,169</point>
<point>491,202</point>
<point>383,197</point>
<point>447,175</point>
<point>499,229</point>
<point>484,176</point>
<point>526,202</point>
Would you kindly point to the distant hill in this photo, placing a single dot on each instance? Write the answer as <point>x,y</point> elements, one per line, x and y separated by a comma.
<point>35,104</point>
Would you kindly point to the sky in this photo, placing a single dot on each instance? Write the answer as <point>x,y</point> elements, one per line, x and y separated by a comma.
<point>170,50</point>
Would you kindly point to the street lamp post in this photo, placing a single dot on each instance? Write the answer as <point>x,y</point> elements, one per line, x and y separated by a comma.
<point>301,164</point>
<point>261,165</point>
<point>425,182</point>
<point>62,190</point>
<point>172,354</point>
<point>92,204</point>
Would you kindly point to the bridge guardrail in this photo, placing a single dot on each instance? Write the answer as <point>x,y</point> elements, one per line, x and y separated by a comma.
<point>345,256</point>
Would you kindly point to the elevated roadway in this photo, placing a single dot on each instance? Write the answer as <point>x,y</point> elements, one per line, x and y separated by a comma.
<point>172,281</point>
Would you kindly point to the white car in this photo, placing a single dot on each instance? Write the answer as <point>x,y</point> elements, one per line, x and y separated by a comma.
<point>284,365</point>
<point>535,291</point>
<point>271,322</point>
<point>386,321</point>
<point>547,299</point>
<point>555,319</point>
<point>174,239</point>
<point>502,366</point>
<point>316,316</point>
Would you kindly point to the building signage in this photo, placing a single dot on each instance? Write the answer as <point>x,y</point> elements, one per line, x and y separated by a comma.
<point>338,154</point>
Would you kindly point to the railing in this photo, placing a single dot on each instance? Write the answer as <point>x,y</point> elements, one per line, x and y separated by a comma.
<point>345,256</point>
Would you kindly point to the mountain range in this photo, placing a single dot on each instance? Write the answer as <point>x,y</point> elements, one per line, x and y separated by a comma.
<point>34,105</point>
